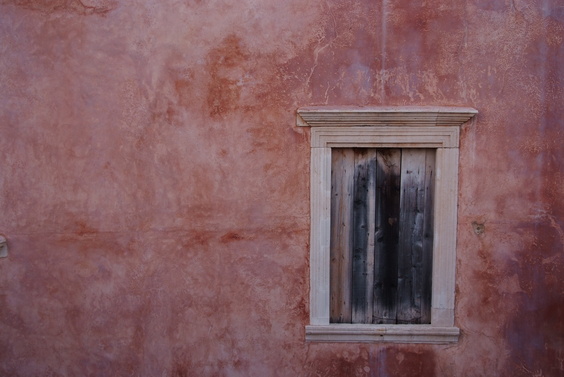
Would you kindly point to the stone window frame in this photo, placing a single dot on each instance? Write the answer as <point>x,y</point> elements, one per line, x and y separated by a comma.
<point>385,127</point>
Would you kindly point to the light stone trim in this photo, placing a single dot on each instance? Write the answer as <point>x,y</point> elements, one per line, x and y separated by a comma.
<point>385,137</point>
<point>383,116</point>
<point>382,333</point>
<point>411,129</point>
<point>321,211</point>
<point>444,247</point>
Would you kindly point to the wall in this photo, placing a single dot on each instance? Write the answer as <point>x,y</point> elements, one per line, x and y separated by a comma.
<point>155,189</point>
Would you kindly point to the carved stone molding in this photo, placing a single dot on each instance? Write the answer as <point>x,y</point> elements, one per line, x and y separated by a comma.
<point>346,116</point>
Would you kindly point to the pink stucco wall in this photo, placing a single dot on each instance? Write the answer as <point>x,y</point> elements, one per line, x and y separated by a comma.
<point>154,188</point>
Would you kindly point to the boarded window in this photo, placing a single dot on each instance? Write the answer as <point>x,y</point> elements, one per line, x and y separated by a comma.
<point>381,243</point>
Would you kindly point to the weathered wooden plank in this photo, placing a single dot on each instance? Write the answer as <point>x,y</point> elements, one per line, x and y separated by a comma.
<point>363,235</point>
<point>342,177</point>
<point>412,232</point>
<point>428,219</point>
<point>387,235</point>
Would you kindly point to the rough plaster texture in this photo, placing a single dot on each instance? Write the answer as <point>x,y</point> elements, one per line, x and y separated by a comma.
<point>154,187</point>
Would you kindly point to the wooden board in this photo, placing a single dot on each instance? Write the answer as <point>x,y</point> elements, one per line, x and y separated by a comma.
<point>363,235</point>
<point>428,231</point>
<point>387,235</point>
<point>342,179</point>
<point>412,236</point>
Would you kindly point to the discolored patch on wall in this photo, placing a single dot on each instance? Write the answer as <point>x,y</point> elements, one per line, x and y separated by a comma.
<point>345,362</point>
<point>399,362</point>
<point>374,361</point>
<point>227,63</point>
<point>182,367</point>
<point>83,8</point>
<point>493,5</point>
<point>83,228</point>
<point>236,236</point>
<point>535,330</point>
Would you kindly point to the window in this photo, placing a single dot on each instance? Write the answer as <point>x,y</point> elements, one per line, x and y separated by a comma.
<point>381,235</point>
<point>383,223</point>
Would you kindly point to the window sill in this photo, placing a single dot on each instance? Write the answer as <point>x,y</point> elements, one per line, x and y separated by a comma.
<point>382,333</point>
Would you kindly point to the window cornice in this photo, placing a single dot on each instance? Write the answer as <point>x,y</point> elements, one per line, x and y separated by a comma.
<point>350,116</point>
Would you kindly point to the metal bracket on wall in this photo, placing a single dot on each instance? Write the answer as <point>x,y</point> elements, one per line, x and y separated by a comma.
<point>3,247</point>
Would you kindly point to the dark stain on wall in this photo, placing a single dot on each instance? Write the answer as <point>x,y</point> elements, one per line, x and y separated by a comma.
<point>375,361</point>
<point>536,347</point>
<point>69,6</point>
<point>182,367</point>
<point>493,5</point>
<point>400,362</point>
<point>227,64</point>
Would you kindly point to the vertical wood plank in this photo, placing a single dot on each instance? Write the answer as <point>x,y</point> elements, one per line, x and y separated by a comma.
<point>428,235</point>
<point>363,235</point>
<point>387,235</point>
<point>412,231</point>
<point>342,178</point>
<point>371,235</point>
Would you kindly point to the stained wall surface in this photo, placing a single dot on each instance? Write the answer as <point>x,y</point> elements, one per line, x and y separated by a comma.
<point>154,188</point>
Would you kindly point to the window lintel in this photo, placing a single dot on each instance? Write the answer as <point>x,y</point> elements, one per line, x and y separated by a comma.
<point>350,116</point>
